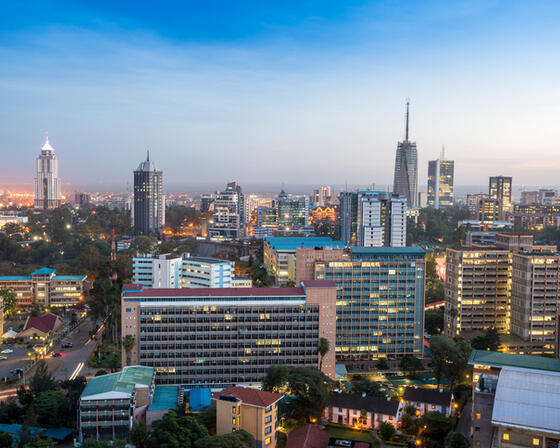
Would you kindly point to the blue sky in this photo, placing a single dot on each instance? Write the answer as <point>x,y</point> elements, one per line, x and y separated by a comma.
<point>291,91</point>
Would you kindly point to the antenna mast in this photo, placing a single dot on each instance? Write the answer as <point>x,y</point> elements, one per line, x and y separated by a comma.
<point>407,115</point>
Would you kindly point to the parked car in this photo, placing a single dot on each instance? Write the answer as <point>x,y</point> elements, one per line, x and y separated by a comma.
<point>66,345</point>
<point>3,357</point>
<point>8,350</point>
<point>56,354</point>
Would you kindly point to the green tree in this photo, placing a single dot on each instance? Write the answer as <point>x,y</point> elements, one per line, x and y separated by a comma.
<point>10,411</point>
<point>89,259</point>
<point>456,440</point>
<point>176,432</point>
<point>489,341</point>
<point>409,424</point>
<point>25,397</point>
<point>42,381</point>
<point>449,357</point>
<point>6,440</point>
<point>276,378</point>
<point>9,300</point>
<point>237,439</point>
<point>433,322</point>
<point>436,426</point>
<point>385,430</point>
<point>139,435</point>
<point>49,407</point>
<point>381,364</point>
<point>92,443</point>
<point>143,245</point>
<point>361,384</point>
<point>411,364</point>
<point>128,344</point>
<point>323,348</point>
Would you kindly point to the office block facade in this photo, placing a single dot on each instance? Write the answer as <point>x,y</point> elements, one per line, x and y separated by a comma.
<point>149,201</point>
<point>380,299</point>
<point>229,213</point>
<point>440,183</point>
<point>406,168</point>
<point>477,290</point>
<point>499,187</point>
<point>47,182</point>
<point>228,336</point>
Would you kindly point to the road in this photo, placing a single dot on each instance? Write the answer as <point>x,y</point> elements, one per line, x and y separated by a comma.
<point>464,425</point>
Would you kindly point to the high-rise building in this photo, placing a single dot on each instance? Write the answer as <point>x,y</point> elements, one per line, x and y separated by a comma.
<point>322,196</point>
<point>406,168</point>
<point>229,213</point>
<point>440,182</point>
<point>380,299</point>
<point>47,182</point>
<point>499,187</point>
<point>228,336</point>
<point>373,218</point>
<point>292,211</point>
<point>489,210</point>
<point>149,201</point>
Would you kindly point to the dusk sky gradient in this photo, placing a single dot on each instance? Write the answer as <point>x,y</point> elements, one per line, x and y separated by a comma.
<point>306,92</point>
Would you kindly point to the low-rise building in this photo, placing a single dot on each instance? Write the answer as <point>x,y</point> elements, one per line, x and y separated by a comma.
<point>361,410</point>
<point>429,400</point>
<point>46,288</point>
<point>39,329</point>
<point>251,410</point>
<point>111,403</point>
<point>166,398</point>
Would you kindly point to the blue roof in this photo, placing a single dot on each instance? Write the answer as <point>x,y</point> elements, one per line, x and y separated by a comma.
<point>54,433</point>
<point>68,277</point>
<point>385,250</point>
<point>292,243</point>
<point>8,278</point>
<point>199,399</point>
<point>43,271</point>
<point>165,398</point>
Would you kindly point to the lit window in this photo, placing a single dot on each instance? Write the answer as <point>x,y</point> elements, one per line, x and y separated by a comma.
<point>233,410</point>
<point>234,420</point>
<point>478,416</point>
<point>506,436</point>
<point>536,442</point>
<point>267,441</point>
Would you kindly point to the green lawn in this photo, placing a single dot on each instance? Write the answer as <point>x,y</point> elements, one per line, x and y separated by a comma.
<point>340,432</point>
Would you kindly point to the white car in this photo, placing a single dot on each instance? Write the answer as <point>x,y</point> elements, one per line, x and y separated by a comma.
<point>8,350</point>
<point>3,357</point>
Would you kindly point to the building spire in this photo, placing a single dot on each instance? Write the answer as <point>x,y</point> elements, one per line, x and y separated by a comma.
<point>442,156</point>
<point>147,155</point>
<point>407,115</point>
<point>47,146</point>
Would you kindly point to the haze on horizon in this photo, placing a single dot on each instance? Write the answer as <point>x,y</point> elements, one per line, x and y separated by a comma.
<point>300,92</point>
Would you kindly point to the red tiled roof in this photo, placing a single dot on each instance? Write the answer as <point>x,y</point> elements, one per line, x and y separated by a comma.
<point>251,396</point>
<point>217,292</point>
<point>319,283</point>
<point>44,323</point>
<point>131,286</point>
<point>308,436</point>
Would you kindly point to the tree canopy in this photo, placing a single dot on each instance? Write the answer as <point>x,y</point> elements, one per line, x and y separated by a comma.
<point>449,358</point>
<point>488,341</point>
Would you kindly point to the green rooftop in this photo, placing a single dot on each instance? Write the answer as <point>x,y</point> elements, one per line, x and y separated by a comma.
<point>123,381</point>
<point>499,359</point>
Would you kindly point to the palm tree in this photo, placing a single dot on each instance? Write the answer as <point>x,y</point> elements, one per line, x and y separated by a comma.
<point>129,342</point>
<point>323,348</point>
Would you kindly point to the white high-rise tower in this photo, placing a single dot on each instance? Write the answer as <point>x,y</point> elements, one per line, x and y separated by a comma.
<point>47,183</point>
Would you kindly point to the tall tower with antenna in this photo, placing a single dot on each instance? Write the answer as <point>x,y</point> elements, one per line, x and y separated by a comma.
<point>405,181</point>
<point>47,182</point>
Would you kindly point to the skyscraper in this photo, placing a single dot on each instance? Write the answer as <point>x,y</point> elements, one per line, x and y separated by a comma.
<point>373,218</point>
<point>149,201</point>
<point>47,183</point>
<point>440,182</point>
<point>406,168</point>
<point>229,213</point>
<point>499,187</point>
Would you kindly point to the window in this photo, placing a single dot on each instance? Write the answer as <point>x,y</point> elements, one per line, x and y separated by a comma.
<point>433,406</point>
<point>268,409</point>
<point>233,410</point>
<point>536,442</point>
<point>268,419</point>
<point>267,441</point>
<point>234,421</point>
<point>506,436</point>
<point>268,430</point>
<point>478,415</point>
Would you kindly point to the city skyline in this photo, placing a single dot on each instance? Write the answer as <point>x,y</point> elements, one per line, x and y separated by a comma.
<point>273,85</point>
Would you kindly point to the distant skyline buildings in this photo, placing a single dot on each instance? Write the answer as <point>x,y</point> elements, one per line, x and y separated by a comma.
<point>149,201</point>
<point>406,167</point>
<point>440,182</point>
<point>47,182</point>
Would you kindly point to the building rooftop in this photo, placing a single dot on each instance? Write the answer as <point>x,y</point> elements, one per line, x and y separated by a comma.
<point>43,271</point>
<point>292,243</point>
<point>124,381</point>
<point>213,292</point>
<point>318,284</point>
<point>499,359</point>
<point>165,398</point>
<point>208,260</point>
<point>8,278</point>
<point>45,323</point>
<point>69,277</point>
<point>251,396</point>
<point>385,250</point>
<point>432,396</point>
<point>379,405</point>
<point>528,399</point>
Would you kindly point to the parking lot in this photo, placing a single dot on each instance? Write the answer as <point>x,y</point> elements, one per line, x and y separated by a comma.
<point>18,359</point>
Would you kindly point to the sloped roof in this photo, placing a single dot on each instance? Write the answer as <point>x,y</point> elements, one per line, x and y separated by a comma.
<point>528,399</point>
<point>254,397</point>
<point>357,401</point>
<point>308,436</point>
<point>499,359</point>
<point>45,323</point>
<point>43,271</point>
<point>432,396</point>
<point>123,381</point>
<point>165,398</point>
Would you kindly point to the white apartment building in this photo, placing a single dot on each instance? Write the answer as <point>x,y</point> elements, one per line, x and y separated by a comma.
<point>381,219</point>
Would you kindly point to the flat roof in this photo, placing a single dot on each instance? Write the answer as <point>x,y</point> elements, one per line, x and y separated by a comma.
<point>208,260</point>
<point>293,243</point>
<point>7,278</point>
<point>165,398</point>
<point>215,292</point>
<point>528,399</point>
<point>69,277</point>
<point>385,250</point>
<point>499,359</point>
<point>123,381</point>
